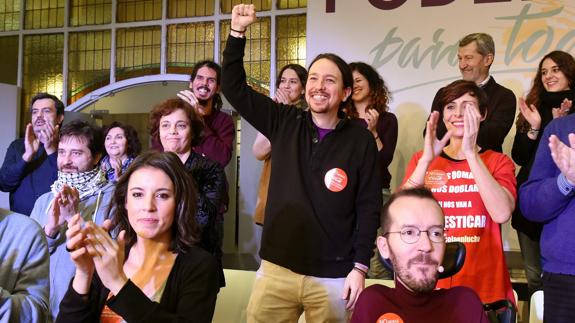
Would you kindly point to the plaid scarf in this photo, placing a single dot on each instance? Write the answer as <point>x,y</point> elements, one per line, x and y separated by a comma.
<point>87,183</point>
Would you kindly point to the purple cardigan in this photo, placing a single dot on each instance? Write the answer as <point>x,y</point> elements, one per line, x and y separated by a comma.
<point>546,198</point>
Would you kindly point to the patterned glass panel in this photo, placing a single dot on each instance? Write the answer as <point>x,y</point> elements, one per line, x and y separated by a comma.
<point>9,60</point>
<point>90,12</point>
<point>43,14</point>
<point>137,52</point>
<point>9,15</point>
<point>190,8</point>
<point>290,37</point>
<point>291,4</point>
<point>139,10</point>
<point>42,68</point>
<point>261,5</point>
<point>88,62</point>
<point>189,43</point>
<point>257,52</point>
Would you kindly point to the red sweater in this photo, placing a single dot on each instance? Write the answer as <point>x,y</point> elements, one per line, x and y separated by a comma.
<point>458,304</point>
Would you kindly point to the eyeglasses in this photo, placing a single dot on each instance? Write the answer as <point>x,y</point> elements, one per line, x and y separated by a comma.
<point>411,234</point>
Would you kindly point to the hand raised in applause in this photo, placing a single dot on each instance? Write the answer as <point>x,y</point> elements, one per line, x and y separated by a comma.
<point>564,156</point>
<point>281,96</point>
<point>31,143</point>
<point>108,256</point>
<point>530,113</point>
<point>49,136</point>
<point>64,206</point>
<point>471,121</point>
<point>371,118</point>
<point>562,110</point>
<point>432,146</point>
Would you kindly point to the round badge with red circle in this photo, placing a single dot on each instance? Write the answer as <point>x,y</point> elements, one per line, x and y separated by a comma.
<point>335,179</point>
<point>435,178</point>
<point>390,318</point>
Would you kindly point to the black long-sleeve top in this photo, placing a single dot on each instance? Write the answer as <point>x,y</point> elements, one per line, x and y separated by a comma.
<point>311,227</point>
<point>386,128</point>
<point>189,296</point>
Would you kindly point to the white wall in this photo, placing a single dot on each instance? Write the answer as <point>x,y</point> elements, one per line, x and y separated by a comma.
<point>10,116</point>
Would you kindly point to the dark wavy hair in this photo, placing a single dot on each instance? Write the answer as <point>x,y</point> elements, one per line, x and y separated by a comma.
<point>57,102</point>
<point>455,90</point>
<point>91,133</point>
<point>566,64</point>
<point>380,95</point>
<point>167,107</point>
<point>185,230</point>
<point>346,75</point>
<point>300,71</point>
<point>217,99</point>
<point>133,142</point>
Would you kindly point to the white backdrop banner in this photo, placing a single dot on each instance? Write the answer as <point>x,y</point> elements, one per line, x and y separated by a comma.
<point>413,45</point>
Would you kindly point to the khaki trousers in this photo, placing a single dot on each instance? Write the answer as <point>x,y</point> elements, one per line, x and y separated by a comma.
<point>280,295</point>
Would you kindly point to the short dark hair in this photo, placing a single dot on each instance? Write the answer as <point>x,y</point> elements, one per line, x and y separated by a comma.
<point>217,99</point>
<point>455,90</point>
<point>346,74</point>
<point>300,71</point>
<point>134,145</point>
<point>419,192</point>
<point>185,229</point>
<point>43,95</point>
<point>91,133</point>
<point>168,106</point>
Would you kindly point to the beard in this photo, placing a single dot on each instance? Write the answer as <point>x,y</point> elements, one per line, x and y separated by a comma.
<point>405,274</point>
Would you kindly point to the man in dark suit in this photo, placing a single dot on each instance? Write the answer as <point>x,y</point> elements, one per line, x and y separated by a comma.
<point>476,53</point>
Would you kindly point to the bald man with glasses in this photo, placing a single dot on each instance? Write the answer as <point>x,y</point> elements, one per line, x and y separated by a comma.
<point>413,239</point>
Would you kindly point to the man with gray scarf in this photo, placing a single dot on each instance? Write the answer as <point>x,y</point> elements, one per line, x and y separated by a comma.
<point>82,188</point>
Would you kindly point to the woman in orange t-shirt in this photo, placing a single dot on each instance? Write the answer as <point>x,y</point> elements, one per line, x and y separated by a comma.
<point>475,187</point>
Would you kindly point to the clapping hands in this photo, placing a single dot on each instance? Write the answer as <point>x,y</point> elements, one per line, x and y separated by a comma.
<point>92,248</point>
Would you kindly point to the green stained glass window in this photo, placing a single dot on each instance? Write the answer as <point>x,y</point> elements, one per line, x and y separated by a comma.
<point>88,62</point>
<point>9,15</point>
<point>137,52</point>
<point>290,40</point>
<point>43,14</point>
<point>291,4</point>
<point>90,12</point>
<point>9,60</point>
<point>42,68</point>
<point>189,43</point>
<point>190,8</point>
<point>139,10</point>
<point>257,57</point>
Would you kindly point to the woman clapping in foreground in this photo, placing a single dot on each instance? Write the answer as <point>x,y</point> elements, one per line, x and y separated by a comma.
<point>152,272</point>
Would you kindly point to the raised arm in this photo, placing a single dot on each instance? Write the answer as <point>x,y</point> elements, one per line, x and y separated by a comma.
<point>259,110</point>
<point>432,147</point>
<point>497,199</point>
<point>547,192</point>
